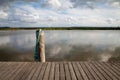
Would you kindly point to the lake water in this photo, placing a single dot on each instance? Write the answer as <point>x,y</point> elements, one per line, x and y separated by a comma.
<point>62,45</point>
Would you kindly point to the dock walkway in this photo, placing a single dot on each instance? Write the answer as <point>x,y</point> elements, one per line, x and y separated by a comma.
<point>60,71</point>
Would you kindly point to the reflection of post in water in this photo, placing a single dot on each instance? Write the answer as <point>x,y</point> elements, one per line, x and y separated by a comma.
<point>39,54</point>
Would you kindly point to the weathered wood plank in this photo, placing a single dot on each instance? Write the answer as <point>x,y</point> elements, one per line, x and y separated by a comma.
<point>59,71</point>
<point>37,72</point>
<point>111,71</point>
<point>101,71</point>
<point>32,71</point>
<point>77,73</point>
<point>114,67</point>
<point>4,68</point>
<point>117,71</point>
<point>27,72</point>
<point>91,71</point>
<point>67,72</point>
<point>52,71</point>
<point>41,75</point>
<point>47,72</point>
<point>13,70</point>
<point>20,72</point>
<point>86,71</point>
<point>107,71</point>
<point>96,72</point>
<point>73,76</point>
<point>62,71</point>
<point>85,77</point>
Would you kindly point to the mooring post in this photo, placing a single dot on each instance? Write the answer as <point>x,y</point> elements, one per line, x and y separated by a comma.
<point>39,54</point>
<point>42,47</point>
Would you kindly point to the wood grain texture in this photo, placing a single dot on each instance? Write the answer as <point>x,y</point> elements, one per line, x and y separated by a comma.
<point>59,71</point>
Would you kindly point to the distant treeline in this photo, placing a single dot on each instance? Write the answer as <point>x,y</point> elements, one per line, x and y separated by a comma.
<point>60,28</point>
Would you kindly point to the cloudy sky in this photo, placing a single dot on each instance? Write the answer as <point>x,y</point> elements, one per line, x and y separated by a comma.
<point>48,13</point>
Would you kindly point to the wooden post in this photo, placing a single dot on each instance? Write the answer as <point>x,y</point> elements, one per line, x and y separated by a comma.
<point>42,47</point>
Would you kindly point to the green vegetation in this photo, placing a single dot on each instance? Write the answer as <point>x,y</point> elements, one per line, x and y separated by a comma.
<point>61,28</point>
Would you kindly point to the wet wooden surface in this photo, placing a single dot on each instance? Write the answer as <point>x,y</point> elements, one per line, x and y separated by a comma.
<point>60,71</point>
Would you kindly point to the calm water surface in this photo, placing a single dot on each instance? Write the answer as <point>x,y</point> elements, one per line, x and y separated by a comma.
<point>63,45</point>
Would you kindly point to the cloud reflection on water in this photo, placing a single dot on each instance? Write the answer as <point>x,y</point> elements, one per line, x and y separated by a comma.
<point>73,45</point>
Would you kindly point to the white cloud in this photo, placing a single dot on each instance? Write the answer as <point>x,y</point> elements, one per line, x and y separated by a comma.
<point>66,4</point>
<point>53,3</point>
<point>62,13</point>
<point>116,4</point>
<point>72,17</point>
<point>3,15</point>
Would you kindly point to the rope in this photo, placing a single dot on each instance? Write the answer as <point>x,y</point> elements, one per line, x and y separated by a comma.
<point>36,50</point>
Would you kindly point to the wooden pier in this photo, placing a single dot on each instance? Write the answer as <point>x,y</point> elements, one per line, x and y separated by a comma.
<point>60,71</point>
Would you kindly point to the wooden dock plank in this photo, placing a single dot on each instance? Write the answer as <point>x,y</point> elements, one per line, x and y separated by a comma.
<point>62,72</point>
<point>91,71</point>
<point>21,72</point>
<point>59,71</point>
<point>87,71</point>
<point>117,71</point>
<point>11,73</point>
<point>4,68</point>
<point>96,72</point>
<point>85,77</point>
<point>3,65</point>
<point>30,76</point>
<point>107,71</point>
<point>47,72</point>
<point>111,71</point>
<point>114,68</point>
<point>101,71</point>
<point>67,72</point>
<point>78,75</point>
<point>73,76</point>
<point>37,72</point>
<point>27,72</point>
<point>52,71</point>
<point>41,75</point>
<point>116,65</point>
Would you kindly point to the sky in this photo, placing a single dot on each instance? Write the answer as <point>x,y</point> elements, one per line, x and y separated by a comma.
<point>59,13</point>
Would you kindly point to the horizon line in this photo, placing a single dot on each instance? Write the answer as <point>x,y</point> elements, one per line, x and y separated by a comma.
<point>60,28</point>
